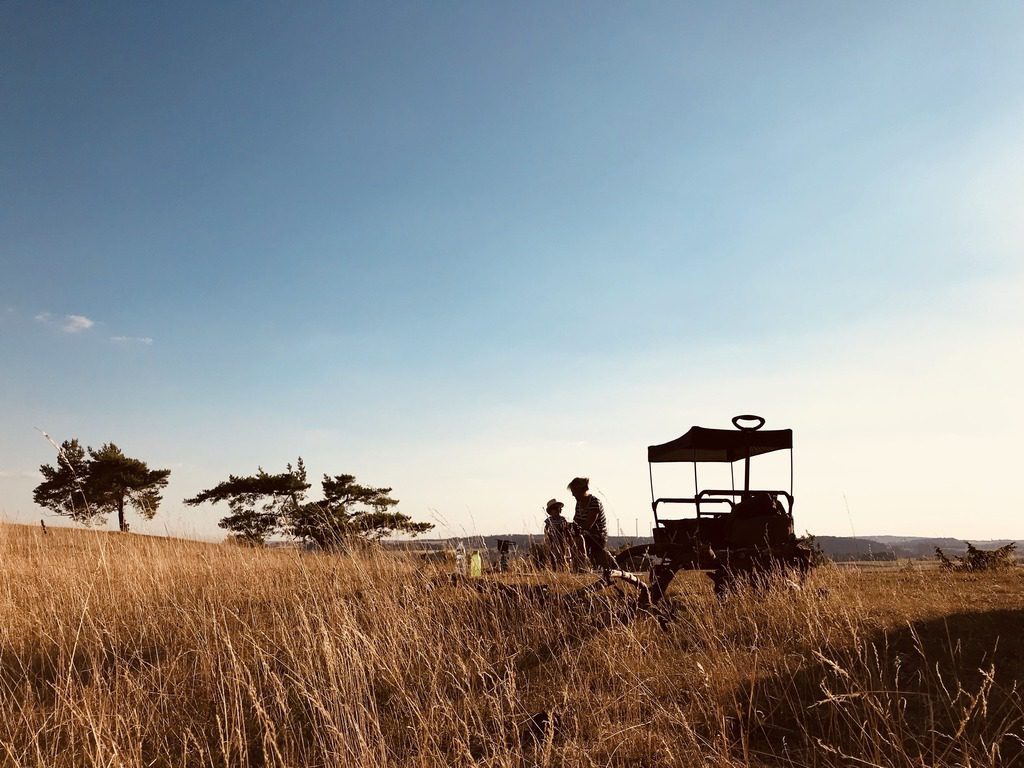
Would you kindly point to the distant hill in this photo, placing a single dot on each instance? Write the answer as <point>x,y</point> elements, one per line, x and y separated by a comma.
<point>851,548</point>
<point>844,548</point>
<point>921,546</point>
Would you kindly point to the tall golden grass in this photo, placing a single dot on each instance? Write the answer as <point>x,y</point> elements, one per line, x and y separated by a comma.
<point>119,650</point>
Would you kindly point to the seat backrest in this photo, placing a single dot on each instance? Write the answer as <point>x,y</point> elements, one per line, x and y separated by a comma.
<point>761,530</point>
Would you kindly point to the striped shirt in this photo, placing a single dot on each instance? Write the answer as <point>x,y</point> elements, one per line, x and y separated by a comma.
<point>556,528</point>
<point>590,516</point>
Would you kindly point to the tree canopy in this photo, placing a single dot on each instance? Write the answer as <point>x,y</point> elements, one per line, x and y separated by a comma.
<point>351,510</point>
<point>265,504</point>
<point>88,484</point>
<point>259,502</point>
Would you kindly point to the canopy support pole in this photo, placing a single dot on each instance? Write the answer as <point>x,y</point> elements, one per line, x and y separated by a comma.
<point>650,473</point>
<point>696,493</point>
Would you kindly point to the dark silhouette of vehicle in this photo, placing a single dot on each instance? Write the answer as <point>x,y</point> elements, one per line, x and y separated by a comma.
<point>736,534</point>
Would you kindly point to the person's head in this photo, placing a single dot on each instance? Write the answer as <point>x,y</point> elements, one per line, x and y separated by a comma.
<point>579,486</point>
<point>554,507</point>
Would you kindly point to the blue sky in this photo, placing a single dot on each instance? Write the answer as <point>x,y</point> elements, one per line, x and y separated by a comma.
<point>473,250</point>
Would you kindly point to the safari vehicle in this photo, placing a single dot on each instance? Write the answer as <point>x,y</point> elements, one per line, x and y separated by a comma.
<point>736,533</point>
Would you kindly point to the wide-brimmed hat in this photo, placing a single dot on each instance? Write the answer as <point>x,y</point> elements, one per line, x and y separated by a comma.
<point>553,503</point>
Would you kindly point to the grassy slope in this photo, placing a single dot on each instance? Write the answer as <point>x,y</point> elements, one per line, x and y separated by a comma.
<point>125,650</point>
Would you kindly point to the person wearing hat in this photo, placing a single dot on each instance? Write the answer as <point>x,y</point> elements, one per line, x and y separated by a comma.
<point>556,535</point>
<point>590,525</point>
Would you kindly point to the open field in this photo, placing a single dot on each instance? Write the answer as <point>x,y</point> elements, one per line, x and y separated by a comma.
<point>120,650</point>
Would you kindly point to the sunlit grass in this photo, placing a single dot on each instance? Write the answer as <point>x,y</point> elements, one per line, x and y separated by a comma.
<point>123,650</point>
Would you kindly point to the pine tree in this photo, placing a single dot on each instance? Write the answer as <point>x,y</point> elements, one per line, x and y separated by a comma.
<point>87,485</point>
<point>258,503</point>
<point>264,504</point>
<point>350,511</point>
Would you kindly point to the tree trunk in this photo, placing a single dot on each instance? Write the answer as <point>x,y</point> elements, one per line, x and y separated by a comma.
<point>121,525</point>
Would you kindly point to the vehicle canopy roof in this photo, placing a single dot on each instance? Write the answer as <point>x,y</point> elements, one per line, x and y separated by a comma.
<point>727,445</point>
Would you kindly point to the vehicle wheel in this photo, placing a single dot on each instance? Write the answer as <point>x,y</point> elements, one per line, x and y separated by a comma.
<point>723,581</point>
<point>661,576</point>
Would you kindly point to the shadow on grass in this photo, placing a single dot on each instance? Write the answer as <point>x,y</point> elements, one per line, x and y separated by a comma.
<point>45,670</point>
<point>944,691</point>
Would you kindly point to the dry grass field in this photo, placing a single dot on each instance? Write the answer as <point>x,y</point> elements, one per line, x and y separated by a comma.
<point>121,650</point>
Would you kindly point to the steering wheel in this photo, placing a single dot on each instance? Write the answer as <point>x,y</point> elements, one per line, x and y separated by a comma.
<point>747,417</point>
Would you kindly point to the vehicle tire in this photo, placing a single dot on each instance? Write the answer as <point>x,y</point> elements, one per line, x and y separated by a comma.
<point>723,580</point>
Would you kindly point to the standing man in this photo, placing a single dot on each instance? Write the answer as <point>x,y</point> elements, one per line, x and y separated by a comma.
<point>591,526</point>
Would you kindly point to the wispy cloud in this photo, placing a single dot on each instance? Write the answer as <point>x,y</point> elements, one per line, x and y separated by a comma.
<point>146,340</point>
<point>76,323</point>
<point>67,323</point>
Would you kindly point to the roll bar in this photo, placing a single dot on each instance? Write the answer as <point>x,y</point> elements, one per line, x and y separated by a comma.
<point>706,497</point>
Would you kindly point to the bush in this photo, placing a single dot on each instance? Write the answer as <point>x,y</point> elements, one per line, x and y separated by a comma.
<point>978,559</point>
